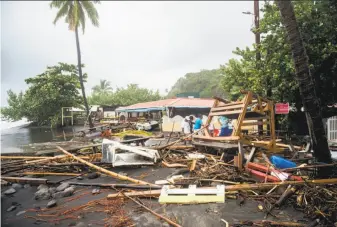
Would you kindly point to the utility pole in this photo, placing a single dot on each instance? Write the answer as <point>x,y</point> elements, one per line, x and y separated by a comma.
<point>257,43</point>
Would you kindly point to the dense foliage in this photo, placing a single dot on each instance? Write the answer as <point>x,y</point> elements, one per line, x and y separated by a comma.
<point>205,82</point>
<point>47,93</point>
<point>122,96</point>
<point>318,25</point>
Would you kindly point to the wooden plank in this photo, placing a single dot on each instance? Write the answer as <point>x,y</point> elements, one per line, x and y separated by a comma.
<point>238,106</point>
<point>256,118</point>
<point>191,199</point>
<point>277,144</point>
<point>230,104</point>
<point>254,123</point>
<point>224,113</point>
<point>251,155</point>
<point>150,193</point>
<point>220,138</point>
<point>258,186</point>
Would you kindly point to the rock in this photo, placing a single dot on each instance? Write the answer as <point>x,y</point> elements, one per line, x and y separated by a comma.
<point>16,186</point>
<point>11,208</point>
<point>52,190</point>
<point>42,186</point>
<point>27,186</point>
<point>58,195</point>
<point>10,191</point>
<point>51,203</point>
<point>93,175</point>
<point>62,186</point>
<point>42,194</point>
<point>80,224</point>
<point>79,178</point>
<point>95,191</point>
<point>21,212</point>
<point>68,191</point>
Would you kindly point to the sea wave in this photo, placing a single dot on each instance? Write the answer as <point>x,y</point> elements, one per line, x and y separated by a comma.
<point>4,125</point>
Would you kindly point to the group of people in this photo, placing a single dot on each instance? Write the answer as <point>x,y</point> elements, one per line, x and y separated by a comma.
<point>189,125</point>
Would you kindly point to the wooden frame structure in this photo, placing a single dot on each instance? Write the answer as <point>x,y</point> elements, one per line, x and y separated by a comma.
<point>250,111</point>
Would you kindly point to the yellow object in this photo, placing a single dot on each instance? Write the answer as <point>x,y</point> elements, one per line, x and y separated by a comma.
<point>133,132</point>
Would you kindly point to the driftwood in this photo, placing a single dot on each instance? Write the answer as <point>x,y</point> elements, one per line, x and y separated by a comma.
<point>173,165</point>
<point>154,213</point>
<point>110,173</point>
<point>28,180</point>
<point>132,186</point>
<point>50,173</point>
<point>242,187</point>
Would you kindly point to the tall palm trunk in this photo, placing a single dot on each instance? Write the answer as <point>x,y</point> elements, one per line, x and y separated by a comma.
<point>79,64</point>
<point>306,83</point>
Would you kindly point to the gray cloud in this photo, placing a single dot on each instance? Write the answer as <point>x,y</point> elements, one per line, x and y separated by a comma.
<point>149,43</point>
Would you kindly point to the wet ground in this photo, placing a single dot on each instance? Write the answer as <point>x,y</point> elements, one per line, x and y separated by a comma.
<point>201,215</point>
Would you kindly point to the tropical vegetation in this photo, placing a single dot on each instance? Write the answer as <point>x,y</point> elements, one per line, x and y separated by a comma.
<point>47,93</point>
<point>75,13</point>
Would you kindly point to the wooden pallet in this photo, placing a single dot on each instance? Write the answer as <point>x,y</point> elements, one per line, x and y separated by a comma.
<point>192,195</point>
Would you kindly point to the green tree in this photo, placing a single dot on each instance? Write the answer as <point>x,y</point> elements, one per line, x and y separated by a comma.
<point>306,83</point>
<point>317,22</point>
<point>47,93</point>
<point>75,13</point>
<point>103,87</point>
<point>124,96</point>
<point>205,82</point>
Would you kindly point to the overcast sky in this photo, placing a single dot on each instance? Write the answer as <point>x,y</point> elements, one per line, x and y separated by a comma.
<point>148,43</point>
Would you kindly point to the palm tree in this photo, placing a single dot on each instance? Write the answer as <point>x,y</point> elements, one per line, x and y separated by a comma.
<point>306,83</point>
<point>103,87</point>
<point>75,13</point>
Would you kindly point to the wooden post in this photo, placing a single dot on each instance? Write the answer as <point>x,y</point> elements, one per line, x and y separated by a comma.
<point>110,173</point>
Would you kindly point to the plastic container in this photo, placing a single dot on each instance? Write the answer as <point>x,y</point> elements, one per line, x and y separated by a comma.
<point>282,163</point>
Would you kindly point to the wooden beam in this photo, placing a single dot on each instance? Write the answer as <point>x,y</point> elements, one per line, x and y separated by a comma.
<point>258,186</point>
<point>224,113</point>
<point>110,173</point>
<point>238,106</point>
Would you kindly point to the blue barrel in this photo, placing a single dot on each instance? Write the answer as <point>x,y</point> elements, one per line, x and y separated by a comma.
<point>281,163</point>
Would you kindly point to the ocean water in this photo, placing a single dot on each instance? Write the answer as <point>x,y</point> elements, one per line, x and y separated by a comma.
<point>13,135</point>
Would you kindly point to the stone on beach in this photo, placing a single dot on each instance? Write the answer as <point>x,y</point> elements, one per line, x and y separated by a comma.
<point>93,175</point>
<point>62,186</point>
<point>11,208</point>
<point>51,203</point>
<point>16,186</point>
<point>10,191</point>
<point>42,194</point>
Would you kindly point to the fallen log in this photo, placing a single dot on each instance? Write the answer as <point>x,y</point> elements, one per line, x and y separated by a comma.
<point>132,186</point>
<point>51,173</point>
<point>261,186</point>
<point>26,180</point>
<point>110,173</point>
<point>22,157</point>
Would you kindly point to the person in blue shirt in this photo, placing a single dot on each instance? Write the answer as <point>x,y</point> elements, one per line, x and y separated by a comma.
<point>197,123</point>
<point>226,126</point>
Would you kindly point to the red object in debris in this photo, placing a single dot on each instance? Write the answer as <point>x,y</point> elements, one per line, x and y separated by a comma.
<point>264,169</point>
<point>282,108</point>
<point>262,176</point>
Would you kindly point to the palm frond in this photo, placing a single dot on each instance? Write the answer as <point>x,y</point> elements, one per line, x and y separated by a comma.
<point>56,4</point>
<point>91,12</point>
<point>70,18</point>
<point>76,13</point>
<point>62,12</point>
<point>82,17</point>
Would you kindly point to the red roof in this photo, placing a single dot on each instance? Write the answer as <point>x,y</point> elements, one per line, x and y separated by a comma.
<point>177,102</point>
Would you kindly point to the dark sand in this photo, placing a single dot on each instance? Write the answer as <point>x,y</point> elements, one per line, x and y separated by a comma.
<point>202,215</point>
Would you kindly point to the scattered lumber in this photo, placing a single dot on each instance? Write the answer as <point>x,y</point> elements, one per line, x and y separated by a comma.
<point>110,173</point>
<point>173,165</point>
<point>242,187</point>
